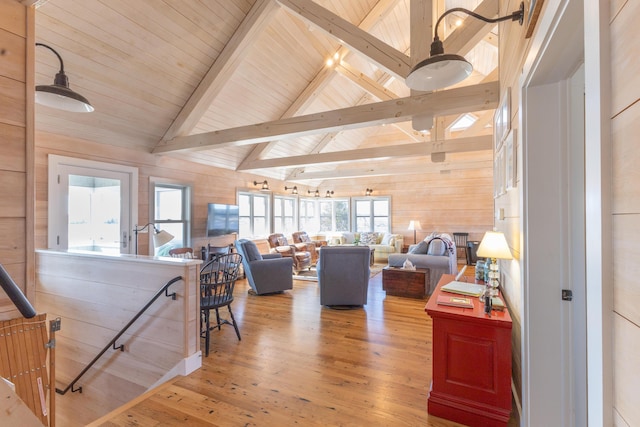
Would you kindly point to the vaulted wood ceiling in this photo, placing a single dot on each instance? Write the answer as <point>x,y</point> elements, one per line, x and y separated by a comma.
<point>246,85</point>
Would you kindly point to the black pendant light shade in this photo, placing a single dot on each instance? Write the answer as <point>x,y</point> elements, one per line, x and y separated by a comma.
<point>441,69</point>
<point>59,95</point>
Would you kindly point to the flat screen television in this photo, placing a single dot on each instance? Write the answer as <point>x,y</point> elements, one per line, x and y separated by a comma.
<point>222,219</point>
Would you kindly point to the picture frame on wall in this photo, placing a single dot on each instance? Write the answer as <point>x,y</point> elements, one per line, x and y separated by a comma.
<point>511,163</point>
<point>502,120</point>
<point>499,173</point>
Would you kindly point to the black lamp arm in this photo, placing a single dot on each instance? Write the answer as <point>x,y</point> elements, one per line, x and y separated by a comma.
<point>56,53</point>
<point>518,15</point>
<point>146,226</point>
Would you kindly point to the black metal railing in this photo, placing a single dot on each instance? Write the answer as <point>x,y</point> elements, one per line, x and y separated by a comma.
<point>112,343</point>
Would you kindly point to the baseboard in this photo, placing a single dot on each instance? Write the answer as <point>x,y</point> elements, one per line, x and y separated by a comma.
<point>182,368</point>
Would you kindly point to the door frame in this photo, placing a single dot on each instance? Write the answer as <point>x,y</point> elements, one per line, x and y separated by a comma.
<point>57,205</point>
<point>554,221</point>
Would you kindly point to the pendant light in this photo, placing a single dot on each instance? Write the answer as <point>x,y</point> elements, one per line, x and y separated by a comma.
<point>59,95</point>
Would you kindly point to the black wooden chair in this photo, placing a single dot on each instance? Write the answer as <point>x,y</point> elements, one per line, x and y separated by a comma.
<point>217,280</point>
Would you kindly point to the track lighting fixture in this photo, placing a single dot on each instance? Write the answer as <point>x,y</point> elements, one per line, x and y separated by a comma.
<point>368,191</point>
<point>442,70</point>
<point>329,193</point>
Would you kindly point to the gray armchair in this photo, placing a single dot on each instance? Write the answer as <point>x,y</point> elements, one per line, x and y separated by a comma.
<point>266,273</point>
<point>343,275</point>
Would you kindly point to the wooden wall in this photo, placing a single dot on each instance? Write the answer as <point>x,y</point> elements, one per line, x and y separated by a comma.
<point>457,201</point>
<point>95,296</point>
<point>625,128</point>
<point>16,148</point>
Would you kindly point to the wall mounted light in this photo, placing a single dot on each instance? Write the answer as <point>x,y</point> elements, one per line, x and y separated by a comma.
<point>441,70</point>
<point>59,95</point>
<point>329,193</point>
<point>368,191</point>
<point>315,193</point>
<point>264,185</point>
<point>160,237</point>
<point>294,189</point>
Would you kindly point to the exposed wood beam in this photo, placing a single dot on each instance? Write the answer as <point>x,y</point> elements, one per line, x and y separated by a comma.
<point>453,101</point>
<point>457,145</point>
<point>222,69</point>
<point>385,56</point>
<point>382,170</point>
<point>321,79</point>
<point>365,82</point>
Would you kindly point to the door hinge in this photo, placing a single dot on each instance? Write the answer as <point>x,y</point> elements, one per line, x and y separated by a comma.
<point>567,295</point>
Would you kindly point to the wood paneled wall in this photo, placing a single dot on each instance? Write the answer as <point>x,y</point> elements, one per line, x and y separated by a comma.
<point>95,297</point>
<point>457,201</point>
<point>16,148</point>
<point>625,128</point>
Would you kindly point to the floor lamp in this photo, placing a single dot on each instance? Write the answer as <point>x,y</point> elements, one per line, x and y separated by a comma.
<point>160,237</point>
<point>415,226</point>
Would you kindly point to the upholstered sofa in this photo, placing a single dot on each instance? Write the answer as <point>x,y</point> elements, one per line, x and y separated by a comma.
<point>437,253</point>
<point>383,243</point>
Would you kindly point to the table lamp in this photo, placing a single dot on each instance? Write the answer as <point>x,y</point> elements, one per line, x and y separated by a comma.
<point>494,246</point>
<point>414,225</point>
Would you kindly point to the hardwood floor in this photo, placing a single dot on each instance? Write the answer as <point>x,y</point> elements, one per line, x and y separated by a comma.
<point>303,364</point>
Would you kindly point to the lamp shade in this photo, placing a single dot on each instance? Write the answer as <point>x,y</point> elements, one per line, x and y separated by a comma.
<point>438,71</point>
<point>414,225</point>
<point>161,238</point>
<point>494,245</point>
<point>59,95</point>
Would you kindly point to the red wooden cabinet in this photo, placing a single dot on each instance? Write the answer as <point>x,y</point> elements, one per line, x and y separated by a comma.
<point>471,363</point>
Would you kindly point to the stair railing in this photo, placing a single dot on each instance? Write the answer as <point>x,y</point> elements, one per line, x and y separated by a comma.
<point>112,343</point>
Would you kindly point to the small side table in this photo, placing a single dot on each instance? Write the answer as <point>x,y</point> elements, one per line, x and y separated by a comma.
<point>405,249</point>
<point>405,283</point>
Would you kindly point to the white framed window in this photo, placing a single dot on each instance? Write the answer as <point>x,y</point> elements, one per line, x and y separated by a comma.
<point>92,205</point>
<point>372,214</point>
<point>284,214</point>
<point>307,218</point>
<point>170,209</point>
<point>255,214</point>
<point>334,215</point>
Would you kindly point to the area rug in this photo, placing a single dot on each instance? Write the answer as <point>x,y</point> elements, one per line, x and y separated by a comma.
<point>312,274</point>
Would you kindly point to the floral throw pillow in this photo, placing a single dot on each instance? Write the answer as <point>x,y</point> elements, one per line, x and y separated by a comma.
<point>368,238</point>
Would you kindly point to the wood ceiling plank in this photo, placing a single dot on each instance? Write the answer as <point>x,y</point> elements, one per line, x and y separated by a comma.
<point>222,69</point>
<point>385,56</point>
<point>466,99</point>
<point>404,150</point>
<point>313,89</point>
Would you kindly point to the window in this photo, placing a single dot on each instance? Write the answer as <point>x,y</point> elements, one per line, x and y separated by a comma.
<point>334,215</point>
<point>171,211</point>
<point>307,219</point>
<point>372,214</point>
<point>284,214</point>
<point>254,214</point>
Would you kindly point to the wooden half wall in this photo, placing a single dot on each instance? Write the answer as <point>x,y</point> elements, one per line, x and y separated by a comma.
<point>16,148</point>
<point>95,296</point>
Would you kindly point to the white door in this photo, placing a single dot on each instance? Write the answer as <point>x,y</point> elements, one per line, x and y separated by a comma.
<point>90,206</point>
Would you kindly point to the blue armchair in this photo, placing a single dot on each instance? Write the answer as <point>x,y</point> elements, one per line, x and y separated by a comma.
<point>266,273</point>
<point>343,275</point>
